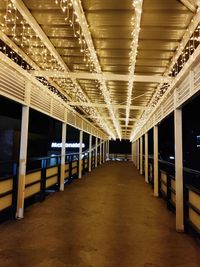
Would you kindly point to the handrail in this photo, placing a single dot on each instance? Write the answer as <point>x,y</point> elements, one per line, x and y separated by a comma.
<point>166,162</point>
<point>51,157</point>
<point>191,171</point>
<point>185,169</point>
<point>194,189</point>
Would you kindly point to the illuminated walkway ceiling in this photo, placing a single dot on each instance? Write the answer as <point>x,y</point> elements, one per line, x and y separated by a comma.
<point>108,57</point>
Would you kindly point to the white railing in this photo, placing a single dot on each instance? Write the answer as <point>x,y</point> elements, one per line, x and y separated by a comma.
<point>185,85</point>
<point>18,85</point>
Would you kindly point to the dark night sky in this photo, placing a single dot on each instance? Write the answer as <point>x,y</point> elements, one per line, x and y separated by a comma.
<point>44,130</point>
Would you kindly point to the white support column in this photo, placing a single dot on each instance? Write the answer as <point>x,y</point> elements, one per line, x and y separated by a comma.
<point>146,158</point>
<point>141,155</point>
<point>138,154</point>
<point>96,152</point>
<point>132,152</point>
<point>155,151</point>
<point>80,155</point>
<point>103,151</point>
<point>179,170</point>
<point>22,162</point>
<point>90,153</point>
<point>108,149</point>
<point>100,152</point>
<point>63,152</point>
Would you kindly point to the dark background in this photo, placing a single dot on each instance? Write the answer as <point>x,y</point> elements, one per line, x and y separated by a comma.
<point>120,147</point>
<point>44,130</point>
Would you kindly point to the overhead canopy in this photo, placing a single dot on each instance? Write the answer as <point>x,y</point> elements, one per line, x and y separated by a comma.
<point>107,57</point>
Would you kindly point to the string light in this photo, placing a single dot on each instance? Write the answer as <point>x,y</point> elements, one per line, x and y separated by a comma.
<point>94,62</point>
<point>31,44</point>
<point>135,23</point>
<point>184,52</point>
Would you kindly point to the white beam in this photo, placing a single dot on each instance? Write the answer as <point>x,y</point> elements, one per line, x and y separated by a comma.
<point>97,105</point>
<point>133,54</point>
<point>188,5</point>
<point>109,118</point>
<point>94,76</point>
<point>179,170</point>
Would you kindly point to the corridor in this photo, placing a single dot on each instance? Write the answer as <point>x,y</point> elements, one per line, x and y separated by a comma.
<point>109,218</point>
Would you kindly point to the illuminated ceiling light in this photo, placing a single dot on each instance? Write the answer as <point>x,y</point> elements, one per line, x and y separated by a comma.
<point>95,62</point>
<point>135,22</point>
<point>30,38</point>
<point>182,50</point>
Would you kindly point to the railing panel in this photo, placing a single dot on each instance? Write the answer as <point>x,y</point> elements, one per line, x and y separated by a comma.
<point>32,190</point>
<point>32,184</point>
<point>52,171</point>
<point>51,181</point>
<point>6,185</point>
<point>33,177</point>
<point>5,202</point>
<point>6,191</point>
<point>67,171</point>
<point>52,176</point>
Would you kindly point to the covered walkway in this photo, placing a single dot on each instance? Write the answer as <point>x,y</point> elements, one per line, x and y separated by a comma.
<point>109,218</point>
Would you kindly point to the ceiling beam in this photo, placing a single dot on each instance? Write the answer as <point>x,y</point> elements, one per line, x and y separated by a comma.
<point>97,105</point>
<point>106,76</point>
<point>109,118</point>
<point>26,14</point>
<point>188,5</point>
<point>90,46</point>
<point>133,55</point>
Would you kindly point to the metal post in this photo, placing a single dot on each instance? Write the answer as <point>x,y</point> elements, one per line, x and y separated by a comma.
<point>22,162</point>
<point>96,152</point>
<point>90,153</point>
<point>141,155</point>
<point>146,158</point>
<point>63,152</point>
<point>179,170</point>
<point>155,145</point>
<point>80,154</point>
<point>100,152</point>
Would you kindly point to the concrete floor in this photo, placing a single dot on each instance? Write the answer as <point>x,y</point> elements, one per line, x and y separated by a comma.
<point>108,219</point>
